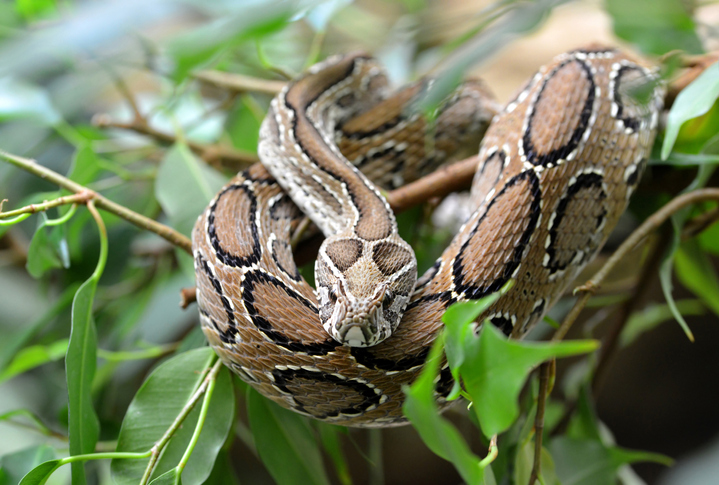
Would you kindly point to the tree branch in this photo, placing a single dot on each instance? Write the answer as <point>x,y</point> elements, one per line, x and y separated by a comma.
<point>628,307</point>
<point>239,83</point>
<point>139,220</point>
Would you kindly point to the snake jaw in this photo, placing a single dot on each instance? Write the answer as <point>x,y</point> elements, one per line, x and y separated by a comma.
<point>358,322</point>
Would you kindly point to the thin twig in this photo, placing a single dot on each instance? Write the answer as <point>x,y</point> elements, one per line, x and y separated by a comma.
<point>611,338</point>
<point>139,220</point>
<point>701,222</point>
<point>647,227</point>
<point>240,83</point>
<point>124,90</point>
<point>78,198</point>
<point>160,444</point>
<point>188,296</point>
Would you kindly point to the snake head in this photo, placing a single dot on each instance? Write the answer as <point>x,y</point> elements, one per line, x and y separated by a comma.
<point>361,315</point>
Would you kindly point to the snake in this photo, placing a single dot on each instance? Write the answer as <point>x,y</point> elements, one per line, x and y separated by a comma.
<point>556,167</point>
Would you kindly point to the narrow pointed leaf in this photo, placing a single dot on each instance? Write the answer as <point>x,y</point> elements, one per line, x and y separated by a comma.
<point>80,364</point>
<point>694,100</point>
<point>438,434</point>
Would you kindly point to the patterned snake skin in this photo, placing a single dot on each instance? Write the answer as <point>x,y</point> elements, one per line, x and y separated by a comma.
<point>557,167</point>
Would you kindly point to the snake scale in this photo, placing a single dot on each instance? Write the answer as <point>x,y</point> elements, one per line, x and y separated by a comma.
<point>556,169</point>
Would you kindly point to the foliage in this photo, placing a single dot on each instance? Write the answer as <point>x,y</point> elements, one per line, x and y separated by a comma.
<point>125,389</point>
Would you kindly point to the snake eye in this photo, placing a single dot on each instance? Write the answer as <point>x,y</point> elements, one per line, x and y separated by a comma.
<point>332,293</point>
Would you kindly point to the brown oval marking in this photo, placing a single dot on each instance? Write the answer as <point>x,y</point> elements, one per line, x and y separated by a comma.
<point>236,240</point>
<point>574,233</point>
<point>560,115</point>
<point>390,257</point>
<point>317,393</point>
<point>344,253</point>
<point>499,239</point>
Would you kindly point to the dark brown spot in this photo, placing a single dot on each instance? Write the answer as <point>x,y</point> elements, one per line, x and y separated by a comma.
<point>344,253</point>
<point>574,235</point>
<point>390,257</point>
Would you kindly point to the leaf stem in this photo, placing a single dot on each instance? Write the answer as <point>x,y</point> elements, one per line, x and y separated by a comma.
<point>492,453</point>
<point>211,379</point>
<point>539,421</point>
<point>159,446</point>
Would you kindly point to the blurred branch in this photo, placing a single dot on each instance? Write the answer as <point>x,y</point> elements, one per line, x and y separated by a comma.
<point>209,153</point>
<point>701,222</point>
<point>544,371</point>
<point>239,83</point>
<point>641,289</point>
<point>139,220</point>
<point>188,296</point>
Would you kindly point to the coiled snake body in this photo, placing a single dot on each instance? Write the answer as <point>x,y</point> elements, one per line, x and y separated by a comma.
<point>556,169</point>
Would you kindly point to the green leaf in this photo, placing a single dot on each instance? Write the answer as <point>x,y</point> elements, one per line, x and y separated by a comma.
<point>19,99</point>
<point>330,437</point>
<point>13,341</point>
<point>589,462</point>
<point>524,461</point>
<point>693,101</point>
<point>462,315</point>
<point>678,159</point>
<point>285,443</point>
<point>655,26</point>
<point>696,272</point>
<point>494,370</point>
<point>80,364</point>
<point>170,477</point>
<point>709,239</point>
<point>34,356</point>
<point>16,465</point>
<point>524,17</point>
<point>437,433</point>
<point>48,249</point>
<point>217,425</point>
<point>155,407</point>
<point>35,9</point>
<point>653,315</point>
<point>40,474</point>
<point>584,424</point>
<point>85,166</point>
<point>202,45</point>
<point>665,270</point>
<point>243,124</point>
<point>184,186</point>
